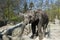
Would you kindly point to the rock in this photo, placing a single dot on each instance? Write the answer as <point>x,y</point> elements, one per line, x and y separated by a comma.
<point>3,23</point>
<point>16,31</point>
<point>0,39</point>
<point>5,37</point>
<point>17,38</point>
<point>27,29</point>
<point>1,35</point>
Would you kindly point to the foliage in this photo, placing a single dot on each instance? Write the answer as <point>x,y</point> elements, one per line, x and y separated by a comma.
<point>31,5</point>
<point>52,13</point>
<point>8,10</point>
<point>16,19</point>
<point>25,7</point>
<point>53,10</point>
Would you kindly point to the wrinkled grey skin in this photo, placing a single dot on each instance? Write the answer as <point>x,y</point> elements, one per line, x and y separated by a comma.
<point>43,22</point>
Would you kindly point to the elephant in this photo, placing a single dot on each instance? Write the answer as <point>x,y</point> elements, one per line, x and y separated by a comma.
<point>40,20</point>
<point>37,18</point>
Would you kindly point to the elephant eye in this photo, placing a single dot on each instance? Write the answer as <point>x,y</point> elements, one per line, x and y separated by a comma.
<point>30,16</point>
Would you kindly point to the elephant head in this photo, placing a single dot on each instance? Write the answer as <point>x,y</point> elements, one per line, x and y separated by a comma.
<point>28,17</point>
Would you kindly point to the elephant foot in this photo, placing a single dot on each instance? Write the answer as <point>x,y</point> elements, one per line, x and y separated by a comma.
<point>32,36</point>
<point>37,34</point>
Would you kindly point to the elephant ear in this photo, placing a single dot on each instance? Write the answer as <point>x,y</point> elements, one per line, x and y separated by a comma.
<point>37,15</point>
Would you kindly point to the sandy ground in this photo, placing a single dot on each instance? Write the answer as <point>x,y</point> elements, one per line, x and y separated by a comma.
<point>54,32</point>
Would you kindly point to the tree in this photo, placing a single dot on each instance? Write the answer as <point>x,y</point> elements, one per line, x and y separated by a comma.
<point>40,5</point>
<point>2,6</point>
<point>54,10</point>
<point>31,5</point>
<point>57,3</point>
<point>25,7</point>
<point>7,9</point>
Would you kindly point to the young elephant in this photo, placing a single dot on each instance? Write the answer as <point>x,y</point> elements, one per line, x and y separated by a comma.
<point>39,19</point>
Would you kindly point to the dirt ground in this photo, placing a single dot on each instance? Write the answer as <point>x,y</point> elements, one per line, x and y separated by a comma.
<point>54,32</point>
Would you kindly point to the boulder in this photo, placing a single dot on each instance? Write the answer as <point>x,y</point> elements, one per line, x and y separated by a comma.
<point>16,32</point>
<point>3,23</point>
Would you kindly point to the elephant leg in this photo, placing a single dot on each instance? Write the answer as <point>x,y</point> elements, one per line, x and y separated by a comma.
<point>37,33</point>
<point>48,31</point>
<point>33,27</point>
<point>37,30</point>
<point>40,32</point>
<point>44,30</point>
